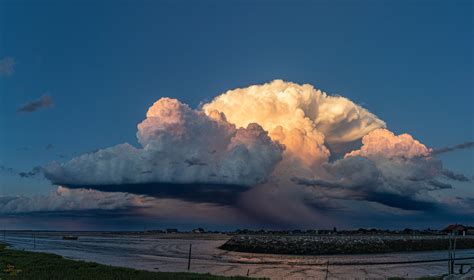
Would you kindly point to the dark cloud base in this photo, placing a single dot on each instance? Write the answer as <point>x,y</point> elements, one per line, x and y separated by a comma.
<point>86,213</point>
<point>223,194</point>
<point>401,202</point>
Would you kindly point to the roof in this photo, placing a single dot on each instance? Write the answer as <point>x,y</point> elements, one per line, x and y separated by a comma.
<point>454,227</point>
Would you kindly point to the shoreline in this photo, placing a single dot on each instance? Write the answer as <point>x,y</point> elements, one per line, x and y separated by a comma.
<point>21,264</point>
<point>171,255</point>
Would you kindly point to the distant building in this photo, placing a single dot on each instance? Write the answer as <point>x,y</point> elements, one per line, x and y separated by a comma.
<point>470,231</point>
<point>199,230</point>
<point>156,231</point>
<point>171,230</point>
<point>455,229</point>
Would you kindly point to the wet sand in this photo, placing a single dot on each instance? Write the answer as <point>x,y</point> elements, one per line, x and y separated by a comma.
<point>169,252</point>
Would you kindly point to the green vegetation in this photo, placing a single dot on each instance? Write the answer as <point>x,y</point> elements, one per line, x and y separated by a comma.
<point>15,264</point>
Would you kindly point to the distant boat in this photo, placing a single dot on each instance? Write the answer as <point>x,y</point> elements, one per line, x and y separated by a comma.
<point>70,237</point>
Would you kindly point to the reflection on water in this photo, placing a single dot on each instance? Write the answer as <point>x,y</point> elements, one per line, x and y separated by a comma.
<point>164,252</point>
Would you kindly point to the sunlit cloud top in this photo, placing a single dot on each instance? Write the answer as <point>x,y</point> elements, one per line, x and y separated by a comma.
<point>278,152</point>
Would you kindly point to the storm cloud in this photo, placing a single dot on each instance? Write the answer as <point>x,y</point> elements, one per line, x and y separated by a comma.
<point>395,171</point>
<point>179,146</point>
<point>279,152</point>
<point>65,203</point>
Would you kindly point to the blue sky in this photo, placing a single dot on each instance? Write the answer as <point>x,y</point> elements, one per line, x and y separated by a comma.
<point>104,64</point>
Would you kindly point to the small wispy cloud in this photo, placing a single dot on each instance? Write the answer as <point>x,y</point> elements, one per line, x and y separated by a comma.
<point>6,169</point>
<point>7,65</point>
<point>32,106</point>
<point>33,172</point>
<point>455,176</point>
<point>23,174</point>
<point>465,145</point>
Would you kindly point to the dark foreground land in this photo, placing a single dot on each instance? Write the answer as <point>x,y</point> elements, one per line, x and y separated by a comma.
<point>340,244</point>
<point>19,265</point>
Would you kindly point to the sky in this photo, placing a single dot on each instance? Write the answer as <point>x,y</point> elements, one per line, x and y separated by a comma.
<point>79,76</point>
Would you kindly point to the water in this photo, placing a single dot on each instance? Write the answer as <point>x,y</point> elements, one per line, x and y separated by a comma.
<point>169,252</point>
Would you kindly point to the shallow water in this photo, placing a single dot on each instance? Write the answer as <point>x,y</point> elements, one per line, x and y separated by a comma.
<point>165,252</point>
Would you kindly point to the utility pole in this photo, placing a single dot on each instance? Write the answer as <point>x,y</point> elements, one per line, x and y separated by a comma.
<point>451,253</point>
<point>189,256</point>
<point>327,270</point>
<point>454,256</point>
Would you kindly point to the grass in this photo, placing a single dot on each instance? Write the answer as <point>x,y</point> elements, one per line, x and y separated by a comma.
<point>15,264</point>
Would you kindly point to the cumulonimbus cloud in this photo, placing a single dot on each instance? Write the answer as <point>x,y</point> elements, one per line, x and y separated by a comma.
<point>384,143</point>
<point>392,170</point>
<point>287,144</point>
<point>181,146</point>
<point>306,120</point>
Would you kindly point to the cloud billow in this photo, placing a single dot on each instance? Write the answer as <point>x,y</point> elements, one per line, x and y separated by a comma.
<point>394,170</point>
<point>181,146</point>
<point>279,152</point>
